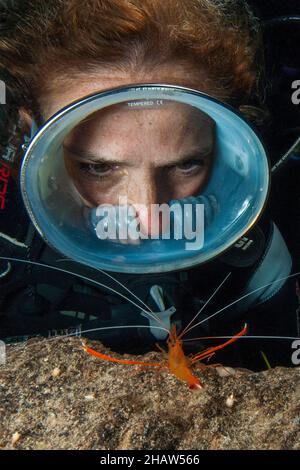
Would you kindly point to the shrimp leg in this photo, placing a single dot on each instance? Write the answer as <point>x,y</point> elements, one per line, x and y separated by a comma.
<point>207,353</point>
<point>105,357</point>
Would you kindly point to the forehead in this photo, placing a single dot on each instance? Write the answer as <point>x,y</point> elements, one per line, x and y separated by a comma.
<point>155,119</point>
<point>58,90</point>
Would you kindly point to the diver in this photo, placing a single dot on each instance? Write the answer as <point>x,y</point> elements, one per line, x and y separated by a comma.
<point>137,149</point>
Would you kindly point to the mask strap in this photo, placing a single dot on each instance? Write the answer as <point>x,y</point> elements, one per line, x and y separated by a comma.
<point>27,139</point>
<point>34,129</point>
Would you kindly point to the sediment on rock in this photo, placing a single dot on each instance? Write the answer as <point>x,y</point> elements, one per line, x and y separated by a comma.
<point>54,396</point>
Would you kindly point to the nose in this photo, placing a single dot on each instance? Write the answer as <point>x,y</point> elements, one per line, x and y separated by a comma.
<point>145,194</point>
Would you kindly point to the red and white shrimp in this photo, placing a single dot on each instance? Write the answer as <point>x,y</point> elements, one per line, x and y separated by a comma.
<point>177,363</point>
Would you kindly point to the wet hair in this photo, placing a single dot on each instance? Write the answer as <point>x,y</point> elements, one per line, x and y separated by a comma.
<point>37,36</point>
<point>42,40</point>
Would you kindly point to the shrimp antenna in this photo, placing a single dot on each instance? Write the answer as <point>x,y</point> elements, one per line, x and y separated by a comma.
<point>126,288</point>
<point>151,313</point>
<point>55,268</point>
<point>118,327</point>
<point>290,338</point>
<point>91,330</point>
<point>244,297</point>
<point>115,280</point>
<point>189,327</point>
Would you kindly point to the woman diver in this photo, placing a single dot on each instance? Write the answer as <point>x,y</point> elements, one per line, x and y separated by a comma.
<point>148,102</point>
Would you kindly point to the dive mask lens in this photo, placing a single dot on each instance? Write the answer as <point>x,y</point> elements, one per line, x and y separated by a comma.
<point>143,179</point>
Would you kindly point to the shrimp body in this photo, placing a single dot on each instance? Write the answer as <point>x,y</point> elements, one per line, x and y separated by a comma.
<point>178,363</point>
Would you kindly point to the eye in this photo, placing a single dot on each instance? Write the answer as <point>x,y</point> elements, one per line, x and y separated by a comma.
<point>191,166</point>
<point>97,169</point>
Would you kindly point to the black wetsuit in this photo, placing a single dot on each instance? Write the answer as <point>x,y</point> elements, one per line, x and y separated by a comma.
<point>40,300</point>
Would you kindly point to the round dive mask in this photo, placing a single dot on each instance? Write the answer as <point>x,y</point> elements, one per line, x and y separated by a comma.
<point>144,179</point>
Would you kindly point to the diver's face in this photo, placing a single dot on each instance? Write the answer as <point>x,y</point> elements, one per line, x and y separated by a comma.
<point>149,156</point>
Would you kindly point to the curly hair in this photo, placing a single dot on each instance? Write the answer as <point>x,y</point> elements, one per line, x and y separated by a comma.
<point>42,41</point>
<point>221,36</point>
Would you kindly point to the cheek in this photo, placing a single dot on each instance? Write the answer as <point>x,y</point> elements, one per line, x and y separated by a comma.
<point>76,176</point>
<point>93,191</point>
<point>87,190</point>
<point>191,186</point>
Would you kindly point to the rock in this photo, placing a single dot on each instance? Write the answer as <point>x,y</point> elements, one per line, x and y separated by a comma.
<point>56,372</point>
<point>15,438</point>
<point>133,408</point>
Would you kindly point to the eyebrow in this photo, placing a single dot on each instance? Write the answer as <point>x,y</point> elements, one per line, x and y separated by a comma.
<point>90,157</point>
